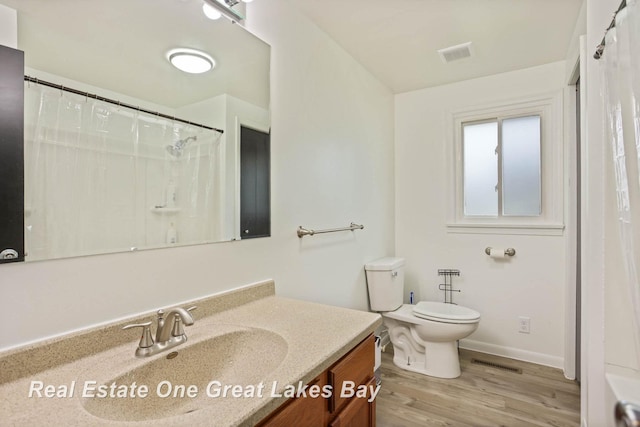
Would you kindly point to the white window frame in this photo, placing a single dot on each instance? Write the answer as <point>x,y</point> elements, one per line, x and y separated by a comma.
<point>550,222</point>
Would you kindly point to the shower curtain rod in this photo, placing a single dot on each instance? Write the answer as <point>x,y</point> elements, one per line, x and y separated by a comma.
<point>600,47</point>
<point>112,101</point>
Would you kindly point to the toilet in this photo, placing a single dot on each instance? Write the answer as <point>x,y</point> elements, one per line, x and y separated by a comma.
<point>424,335</point>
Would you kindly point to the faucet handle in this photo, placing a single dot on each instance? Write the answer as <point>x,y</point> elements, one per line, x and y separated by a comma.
<point>178,329</point>
<point>146,340</point>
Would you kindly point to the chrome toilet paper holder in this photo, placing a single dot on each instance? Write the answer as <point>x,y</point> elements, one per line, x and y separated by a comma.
<point>507,252</point>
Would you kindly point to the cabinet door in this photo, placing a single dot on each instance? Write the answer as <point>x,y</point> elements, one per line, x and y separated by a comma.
<point>12,152</point>
<point>302,411</point>
<point>359,412</point>
<point>356,367</point>
<point>255,187</point>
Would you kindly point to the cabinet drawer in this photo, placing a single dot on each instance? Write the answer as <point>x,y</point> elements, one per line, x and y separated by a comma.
<point>357,367</point>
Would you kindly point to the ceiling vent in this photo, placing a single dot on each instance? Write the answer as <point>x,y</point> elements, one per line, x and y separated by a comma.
<point>454,53</point>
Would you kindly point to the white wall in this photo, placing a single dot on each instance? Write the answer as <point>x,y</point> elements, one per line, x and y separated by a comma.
<point>332,163</point>
<point>580,29</point>
<point>8,27</point>
<point>531,284</point>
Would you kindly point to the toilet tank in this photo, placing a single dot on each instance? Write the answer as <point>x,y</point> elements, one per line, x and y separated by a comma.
<point>385,280</point>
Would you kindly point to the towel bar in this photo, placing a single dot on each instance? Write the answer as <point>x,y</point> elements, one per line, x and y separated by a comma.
<point>306,232</point>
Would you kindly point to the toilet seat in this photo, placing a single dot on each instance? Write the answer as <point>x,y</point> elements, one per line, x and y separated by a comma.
<point>442,312</point>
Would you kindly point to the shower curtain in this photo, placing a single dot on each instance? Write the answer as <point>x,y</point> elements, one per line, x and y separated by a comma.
<point>97,177</point>
<point>621,76</point>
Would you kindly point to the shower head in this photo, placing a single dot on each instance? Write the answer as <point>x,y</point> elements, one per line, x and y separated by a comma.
<point>171,149</point>
<point>176,149</point>
<point>175,152</point>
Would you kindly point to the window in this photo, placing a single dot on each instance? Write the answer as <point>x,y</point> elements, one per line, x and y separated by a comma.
<point>501,167</point>
<point>508,168</point>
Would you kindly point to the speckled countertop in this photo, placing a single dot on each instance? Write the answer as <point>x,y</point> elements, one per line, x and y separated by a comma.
<point>262,343</point>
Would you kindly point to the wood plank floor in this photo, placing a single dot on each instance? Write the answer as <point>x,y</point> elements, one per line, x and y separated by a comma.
<point>481,396</point>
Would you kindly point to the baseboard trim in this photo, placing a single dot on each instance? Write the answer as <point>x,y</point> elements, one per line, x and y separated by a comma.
<point>514,353</point>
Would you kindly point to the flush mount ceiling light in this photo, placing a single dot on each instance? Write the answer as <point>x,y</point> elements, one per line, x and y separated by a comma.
<point>191,60</point>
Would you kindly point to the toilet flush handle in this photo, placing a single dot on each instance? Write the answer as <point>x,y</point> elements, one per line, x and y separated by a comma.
<point>394,274</point>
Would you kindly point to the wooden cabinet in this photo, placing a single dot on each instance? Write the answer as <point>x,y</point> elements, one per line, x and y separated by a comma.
<point>347,404</point>
<point>358,412</point>
<point>354,369</point>
<point>301,411</point>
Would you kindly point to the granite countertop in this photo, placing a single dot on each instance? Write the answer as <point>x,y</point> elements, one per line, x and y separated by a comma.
<point>293,340</point>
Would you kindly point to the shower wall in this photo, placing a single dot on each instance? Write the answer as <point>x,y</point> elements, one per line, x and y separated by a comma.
<point>99,176</point>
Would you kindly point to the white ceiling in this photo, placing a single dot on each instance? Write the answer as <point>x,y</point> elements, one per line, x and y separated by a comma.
<point>397,40</point>
<point>121,45</point>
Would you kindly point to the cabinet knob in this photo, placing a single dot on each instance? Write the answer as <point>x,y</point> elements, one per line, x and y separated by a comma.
<point>246,231</point>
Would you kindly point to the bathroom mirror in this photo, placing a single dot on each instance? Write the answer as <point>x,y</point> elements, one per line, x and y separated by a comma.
<point>102,177</point>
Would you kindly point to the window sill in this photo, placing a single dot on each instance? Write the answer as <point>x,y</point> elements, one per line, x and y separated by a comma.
<point>514,229</point>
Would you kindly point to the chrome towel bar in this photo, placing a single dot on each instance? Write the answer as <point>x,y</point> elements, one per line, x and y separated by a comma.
<point>306,232</point>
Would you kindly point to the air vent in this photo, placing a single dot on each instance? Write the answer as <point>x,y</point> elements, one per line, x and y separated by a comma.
<point>496,365</point>
<point>454,53</point>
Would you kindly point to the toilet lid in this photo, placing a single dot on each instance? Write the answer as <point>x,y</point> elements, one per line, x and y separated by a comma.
<point>442,312</point>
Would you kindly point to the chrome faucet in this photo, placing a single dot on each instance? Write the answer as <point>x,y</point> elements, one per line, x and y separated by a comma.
<point>169,331</point>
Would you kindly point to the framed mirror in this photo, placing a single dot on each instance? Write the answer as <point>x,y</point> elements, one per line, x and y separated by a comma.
<point>124,151</point>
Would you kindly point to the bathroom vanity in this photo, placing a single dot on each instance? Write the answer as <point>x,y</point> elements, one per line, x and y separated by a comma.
<point>249,359</point>
<point>352,374</point>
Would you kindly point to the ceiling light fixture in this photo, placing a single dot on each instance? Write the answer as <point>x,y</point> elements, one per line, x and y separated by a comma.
<point>225,8</point>
<point>191,60</point>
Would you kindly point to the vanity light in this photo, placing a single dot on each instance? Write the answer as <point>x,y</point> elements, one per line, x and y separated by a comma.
<point>225,8</point>
<point>210,12</point>
<point>191,61</point>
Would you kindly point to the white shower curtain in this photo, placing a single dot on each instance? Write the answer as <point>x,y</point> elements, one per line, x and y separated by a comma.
<point>68,171</point>
<point>97,176</point>
<point>621,91</point>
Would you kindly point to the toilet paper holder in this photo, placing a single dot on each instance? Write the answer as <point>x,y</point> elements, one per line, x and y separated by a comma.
<point>507,252</point>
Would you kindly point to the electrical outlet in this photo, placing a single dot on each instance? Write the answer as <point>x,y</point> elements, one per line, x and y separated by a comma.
<point>524,325</point>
